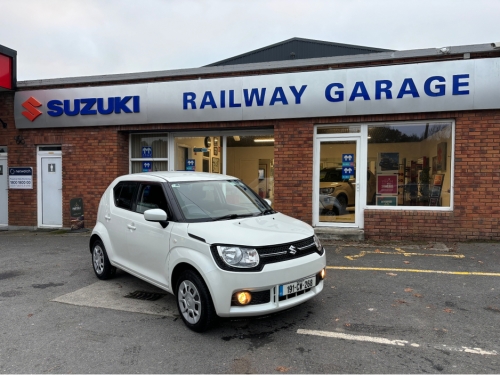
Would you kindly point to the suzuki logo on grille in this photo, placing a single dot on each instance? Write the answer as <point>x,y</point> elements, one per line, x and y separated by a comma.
<point>31,112</point>
<point>292,250</point>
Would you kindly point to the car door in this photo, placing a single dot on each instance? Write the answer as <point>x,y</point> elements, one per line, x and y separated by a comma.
<point>119,222</point>
<point>149,241</point>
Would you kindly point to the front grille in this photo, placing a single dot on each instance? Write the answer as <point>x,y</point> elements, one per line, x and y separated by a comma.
<point>273,254</point>
<point>289,296</point>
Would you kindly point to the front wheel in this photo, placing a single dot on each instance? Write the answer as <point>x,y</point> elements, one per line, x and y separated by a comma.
<point>194,302</point>
<point>100,261</point>
<point>342,200</point>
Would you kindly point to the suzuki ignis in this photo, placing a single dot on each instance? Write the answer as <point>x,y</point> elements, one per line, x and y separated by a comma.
<point>209,240</point>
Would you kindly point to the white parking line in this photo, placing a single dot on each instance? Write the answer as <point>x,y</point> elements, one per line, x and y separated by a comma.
<point>384,341</point>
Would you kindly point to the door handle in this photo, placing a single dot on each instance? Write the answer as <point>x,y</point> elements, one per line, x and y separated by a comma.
<point>131,226</point>
<point>107,217</point>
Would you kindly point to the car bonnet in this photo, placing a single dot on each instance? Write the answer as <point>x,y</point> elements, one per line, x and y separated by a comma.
<point>253,231</point>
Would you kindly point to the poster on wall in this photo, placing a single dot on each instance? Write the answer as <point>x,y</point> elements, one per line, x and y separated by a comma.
<point>388,162</point>
<point>441,156</point>
<point>21,178</point>
<point>387,184</point>
<point>387,200</point>
<point>215,165</point>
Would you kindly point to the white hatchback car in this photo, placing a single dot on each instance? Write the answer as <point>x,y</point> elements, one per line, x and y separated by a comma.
<point>209,240</point>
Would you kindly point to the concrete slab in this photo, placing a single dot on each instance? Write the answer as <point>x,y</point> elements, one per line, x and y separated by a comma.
<point>111,295</point>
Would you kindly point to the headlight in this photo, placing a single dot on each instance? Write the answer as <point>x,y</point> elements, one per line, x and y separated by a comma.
<point>317,242</point>
<point>239,257</point>
<point>329,190</point>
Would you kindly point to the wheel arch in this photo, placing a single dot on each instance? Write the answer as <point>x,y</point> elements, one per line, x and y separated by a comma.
<point>93,239</point>
<point>177,272</point>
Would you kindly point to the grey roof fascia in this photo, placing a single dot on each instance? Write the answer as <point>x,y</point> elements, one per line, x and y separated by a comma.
<point>273,65</point>
<point>373,50</point>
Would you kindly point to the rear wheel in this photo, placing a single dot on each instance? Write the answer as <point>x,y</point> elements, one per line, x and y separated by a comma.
<point>194,302</point>
<point>100,261</point>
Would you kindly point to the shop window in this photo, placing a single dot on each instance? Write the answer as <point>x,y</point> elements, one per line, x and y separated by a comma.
<point>199,153</point>
<point>248,157</point>
<point>148,152</point>
<point>251,159</point>
<point>411,164</point>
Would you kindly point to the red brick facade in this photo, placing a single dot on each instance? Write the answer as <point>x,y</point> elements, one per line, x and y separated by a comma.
<point>92,157</point>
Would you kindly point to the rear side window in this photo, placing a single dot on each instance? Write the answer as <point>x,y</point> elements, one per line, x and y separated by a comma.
<point>124,194</point>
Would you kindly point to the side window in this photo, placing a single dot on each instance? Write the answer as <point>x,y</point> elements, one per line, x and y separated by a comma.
<point>123,194</point>
<point>151,196</point>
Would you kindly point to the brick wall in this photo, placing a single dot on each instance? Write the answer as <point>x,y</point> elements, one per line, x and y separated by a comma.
<point>93,157</point>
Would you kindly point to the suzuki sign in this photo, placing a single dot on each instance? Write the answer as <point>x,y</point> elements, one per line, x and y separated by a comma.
<point>426,87</point>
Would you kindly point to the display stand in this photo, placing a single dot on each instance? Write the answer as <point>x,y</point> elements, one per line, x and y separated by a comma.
<point>437,186</point>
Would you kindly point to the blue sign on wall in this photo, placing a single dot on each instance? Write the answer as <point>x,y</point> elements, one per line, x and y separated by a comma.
<point>347,166</point>
<point>147,152</point>
<point>347,172</point>
<point>347,159</point>
<point>147,166</point>
<point>190,165</point>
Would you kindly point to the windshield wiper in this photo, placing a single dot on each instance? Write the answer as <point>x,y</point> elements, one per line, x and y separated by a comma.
<point>268,211</point>
<point>230,217</point>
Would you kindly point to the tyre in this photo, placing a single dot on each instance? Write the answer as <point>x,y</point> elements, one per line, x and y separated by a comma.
<point>342,200</point>
<point>194,302</point>
<point>100,262</point>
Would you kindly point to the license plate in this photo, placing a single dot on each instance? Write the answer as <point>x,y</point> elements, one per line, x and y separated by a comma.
<point>297,286</point>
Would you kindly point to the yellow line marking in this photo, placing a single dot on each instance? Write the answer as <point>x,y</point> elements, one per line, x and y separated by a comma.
<point>413,270</point>
<point>363,253</point>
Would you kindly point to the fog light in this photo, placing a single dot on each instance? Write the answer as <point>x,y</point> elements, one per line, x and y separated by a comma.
<point>243,298</point>
<point>323,273</point>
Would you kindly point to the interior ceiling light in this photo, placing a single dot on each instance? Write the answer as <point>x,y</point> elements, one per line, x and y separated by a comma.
<point>236,138</point>
<point>263,140</point>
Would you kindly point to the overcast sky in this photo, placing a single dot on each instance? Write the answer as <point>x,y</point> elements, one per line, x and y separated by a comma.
<point>71,38</point>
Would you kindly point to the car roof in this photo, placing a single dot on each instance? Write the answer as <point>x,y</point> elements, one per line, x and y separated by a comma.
<point>179,176</point>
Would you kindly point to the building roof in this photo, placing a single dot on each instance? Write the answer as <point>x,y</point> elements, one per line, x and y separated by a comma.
<point>394,57</point>
<point>297,48</point>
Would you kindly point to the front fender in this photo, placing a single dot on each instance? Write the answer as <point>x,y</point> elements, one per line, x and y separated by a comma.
<point>200,259</point>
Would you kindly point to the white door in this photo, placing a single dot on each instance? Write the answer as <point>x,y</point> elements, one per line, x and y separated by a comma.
<point>50,190</point>
<point>4,193</point>
<point>338,182</point>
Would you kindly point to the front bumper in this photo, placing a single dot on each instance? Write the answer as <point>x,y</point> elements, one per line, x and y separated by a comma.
<point>225,283</point>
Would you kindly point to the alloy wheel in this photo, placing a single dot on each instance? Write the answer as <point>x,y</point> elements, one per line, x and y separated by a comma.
<point>189,302</point>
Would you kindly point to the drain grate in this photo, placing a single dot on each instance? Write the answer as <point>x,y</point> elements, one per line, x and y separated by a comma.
<point>146,296</point>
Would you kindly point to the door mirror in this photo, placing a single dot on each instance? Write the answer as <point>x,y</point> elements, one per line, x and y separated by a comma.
<point>158,215</point>
<point>268,201</point>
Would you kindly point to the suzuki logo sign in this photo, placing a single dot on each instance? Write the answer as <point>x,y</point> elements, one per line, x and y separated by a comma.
<point>31,112</point>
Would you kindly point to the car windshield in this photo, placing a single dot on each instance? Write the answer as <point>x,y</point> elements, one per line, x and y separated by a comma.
<point>330,175</point>
<point>218,200</point>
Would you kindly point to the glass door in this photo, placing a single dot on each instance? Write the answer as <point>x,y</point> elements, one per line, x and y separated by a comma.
<point>337,182</point>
